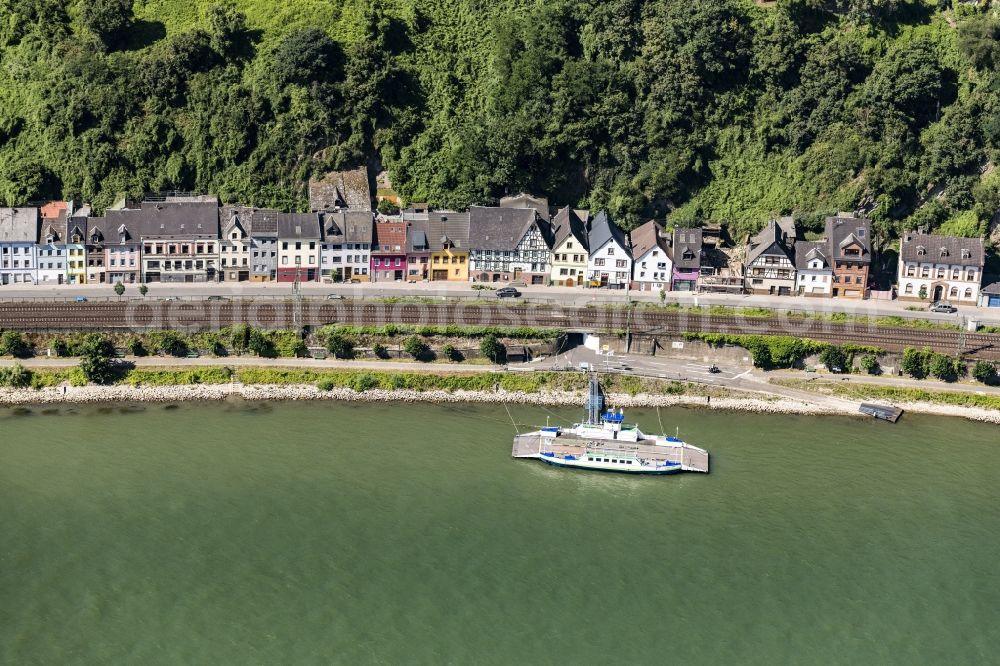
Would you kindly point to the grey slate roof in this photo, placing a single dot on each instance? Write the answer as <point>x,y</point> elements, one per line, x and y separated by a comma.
<point>805,251</point>
<point>646,237</point>
<point>500,228</point>
<point>341,190</point>
<point>19,225</point>
<point>301,226</point>
<point>602,230</point>
<point>353,226</point>
<point>523,200</point>
<point>842,231</point>
<point>570,222</point>
<point>773,239</point>
<point>448,226</point>
<point>188,220</point>
<point>991,284</point>
<point>942,249</point>
<point>416,237</point>
<point>687,248</point>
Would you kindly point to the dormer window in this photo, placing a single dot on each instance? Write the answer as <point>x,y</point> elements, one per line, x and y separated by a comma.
<point>966,254</point>
<point>944,252</point>
<point>921,250</point>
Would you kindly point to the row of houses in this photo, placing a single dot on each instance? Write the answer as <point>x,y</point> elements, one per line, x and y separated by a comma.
<point>194,239</point>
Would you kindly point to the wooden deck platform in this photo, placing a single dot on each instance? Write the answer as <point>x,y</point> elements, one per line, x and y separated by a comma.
<point>532,445</point>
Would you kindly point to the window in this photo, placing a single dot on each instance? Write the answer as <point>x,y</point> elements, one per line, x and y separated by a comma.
<point>968,292</point>
<point>598,262</point>
<point>611,251</point>
<point>970,275</point>
<point>908,289</point>
<point>940,272</point>
<point>284,245</point>
<point>284,261</point>
<point>953,292</point>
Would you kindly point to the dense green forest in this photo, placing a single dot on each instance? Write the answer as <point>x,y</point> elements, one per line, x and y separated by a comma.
<point>722,110</point>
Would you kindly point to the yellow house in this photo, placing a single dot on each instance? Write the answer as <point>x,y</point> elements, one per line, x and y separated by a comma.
<point>448,238</point>
<point>569,247</point>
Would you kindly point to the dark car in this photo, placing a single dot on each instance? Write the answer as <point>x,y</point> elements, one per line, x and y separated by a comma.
<point>941,306</point>
<point>508,292</point>
<point>217,298</point>
<point>80,299</point>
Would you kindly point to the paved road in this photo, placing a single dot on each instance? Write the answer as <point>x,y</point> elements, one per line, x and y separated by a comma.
<point>445,290</point>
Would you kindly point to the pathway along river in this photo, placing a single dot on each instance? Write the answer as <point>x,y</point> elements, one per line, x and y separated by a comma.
<point>318,534</point>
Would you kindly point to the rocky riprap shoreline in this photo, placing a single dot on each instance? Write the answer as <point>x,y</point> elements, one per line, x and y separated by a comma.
<point>217,392</point>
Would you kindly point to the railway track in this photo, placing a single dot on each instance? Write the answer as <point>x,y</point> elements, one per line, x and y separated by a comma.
<point>192,315</point>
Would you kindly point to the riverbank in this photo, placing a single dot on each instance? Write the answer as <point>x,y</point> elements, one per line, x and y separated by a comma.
<point>746,402</point>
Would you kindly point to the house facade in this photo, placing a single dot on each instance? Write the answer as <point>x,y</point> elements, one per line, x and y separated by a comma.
<point>96,265</point>
<point>75,237</point>
<point>299,239</point>
<point>346,252</point>
<point>418,252</point>
<point>686,257</point>
<point>122,248</point>
<point>50,253</point>
<point>814,272</point>
<point>849,246</point>
<point>388,252</point>
<point>508,244</point>
<point>235,245</point>
<point>19,229</point>
<point>263,225</point>
<point>180,241</point>
<point>448,237</point>
<point>653,267</point>
<point>569,247</point>
<point>940,268</point>
<point>609,262</point>
<point>770,266</point>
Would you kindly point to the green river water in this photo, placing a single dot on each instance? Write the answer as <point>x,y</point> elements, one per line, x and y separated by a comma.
<point>396,534</point>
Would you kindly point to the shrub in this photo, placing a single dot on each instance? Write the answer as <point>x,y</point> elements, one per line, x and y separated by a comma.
<point>98,369</point>
<point>93,345</point>
<point>13,343</point>
<point>60,347</point>
<point>135,347</point>
<point>493,349</point>
<point>16,376</point>
<point>944,367</point>
<point>869,363</point>
<point>169,342</point>
<point>261,345</point>
<point>416,348</point>
<point>380,351</point>
<point>985,372</point>
<point>915,363</point>
<point>289,343</point>
<point>339,346</point>
<point>364,382</point>
<point>452,354</point>
<point>834,358</point>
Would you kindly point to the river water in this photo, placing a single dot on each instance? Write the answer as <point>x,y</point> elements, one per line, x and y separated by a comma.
<point>323,533</point>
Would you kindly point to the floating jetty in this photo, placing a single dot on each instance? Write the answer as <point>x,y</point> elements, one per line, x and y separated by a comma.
<point>604,442</point>
<point>884,412</point>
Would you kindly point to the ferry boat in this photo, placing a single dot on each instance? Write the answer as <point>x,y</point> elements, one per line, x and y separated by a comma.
<point>604,442</point>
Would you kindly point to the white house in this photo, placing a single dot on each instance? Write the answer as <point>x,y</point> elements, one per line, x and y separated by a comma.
<point>347,238</point>
<point>18,236</point>
<point>569,247</point>
<point>814,270</point>
<point>653,266</point>
<point>770,267</point>
<point>508,244</point>
<point>234,245</point>
<point>609,263</point>
<point>940,268</point>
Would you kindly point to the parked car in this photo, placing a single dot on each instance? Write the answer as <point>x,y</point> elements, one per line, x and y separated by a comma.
<point>355,281</point>
<point>169,298</point>
<point>80,299</point>
<point>714,369</point>
<point>508,292</point>
<point>217,298</point>
<point>334,297</point>
<point>942,306</point>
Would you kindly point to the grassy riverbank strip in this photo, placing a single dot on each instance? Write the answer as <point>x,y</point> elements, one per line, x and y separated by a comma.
<point>893,394</point>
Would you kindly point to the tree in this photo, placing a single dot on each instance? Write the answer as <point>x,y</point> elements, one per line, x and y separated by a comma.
<point>143,290</point>
<point>914,363</point>
<point>985,372</point>
<point>493,349</point>
<point>834,358</point>
<point>260,344</point>
<point>107,18</point>
<point>171,343</point>
<point>135,347</point>
<point>922,294</point>
<point>869,363</point>
<point>96,363</point>
<point>119,289</point>
<point>339,346</point>
<point>380,351</point>
<point>13,343</point>
<point>944,367</point>
<point>416,347</point>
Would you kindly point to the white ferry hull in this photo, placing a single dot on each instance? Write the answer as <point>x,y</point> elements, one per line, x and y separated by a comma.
<point>670,468</point>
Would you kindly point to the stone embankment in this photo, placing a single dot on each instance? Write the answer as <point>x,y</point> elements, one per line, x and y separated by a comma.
<point>215,392</point>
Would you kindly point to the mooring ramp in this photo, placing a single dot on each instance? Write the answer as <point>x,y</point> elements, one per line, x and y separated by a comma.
<point>527,446</point>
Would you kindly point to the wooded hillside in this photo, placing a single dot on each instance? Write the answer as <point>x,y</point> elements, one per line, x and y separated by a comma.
<point>721,110</point>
